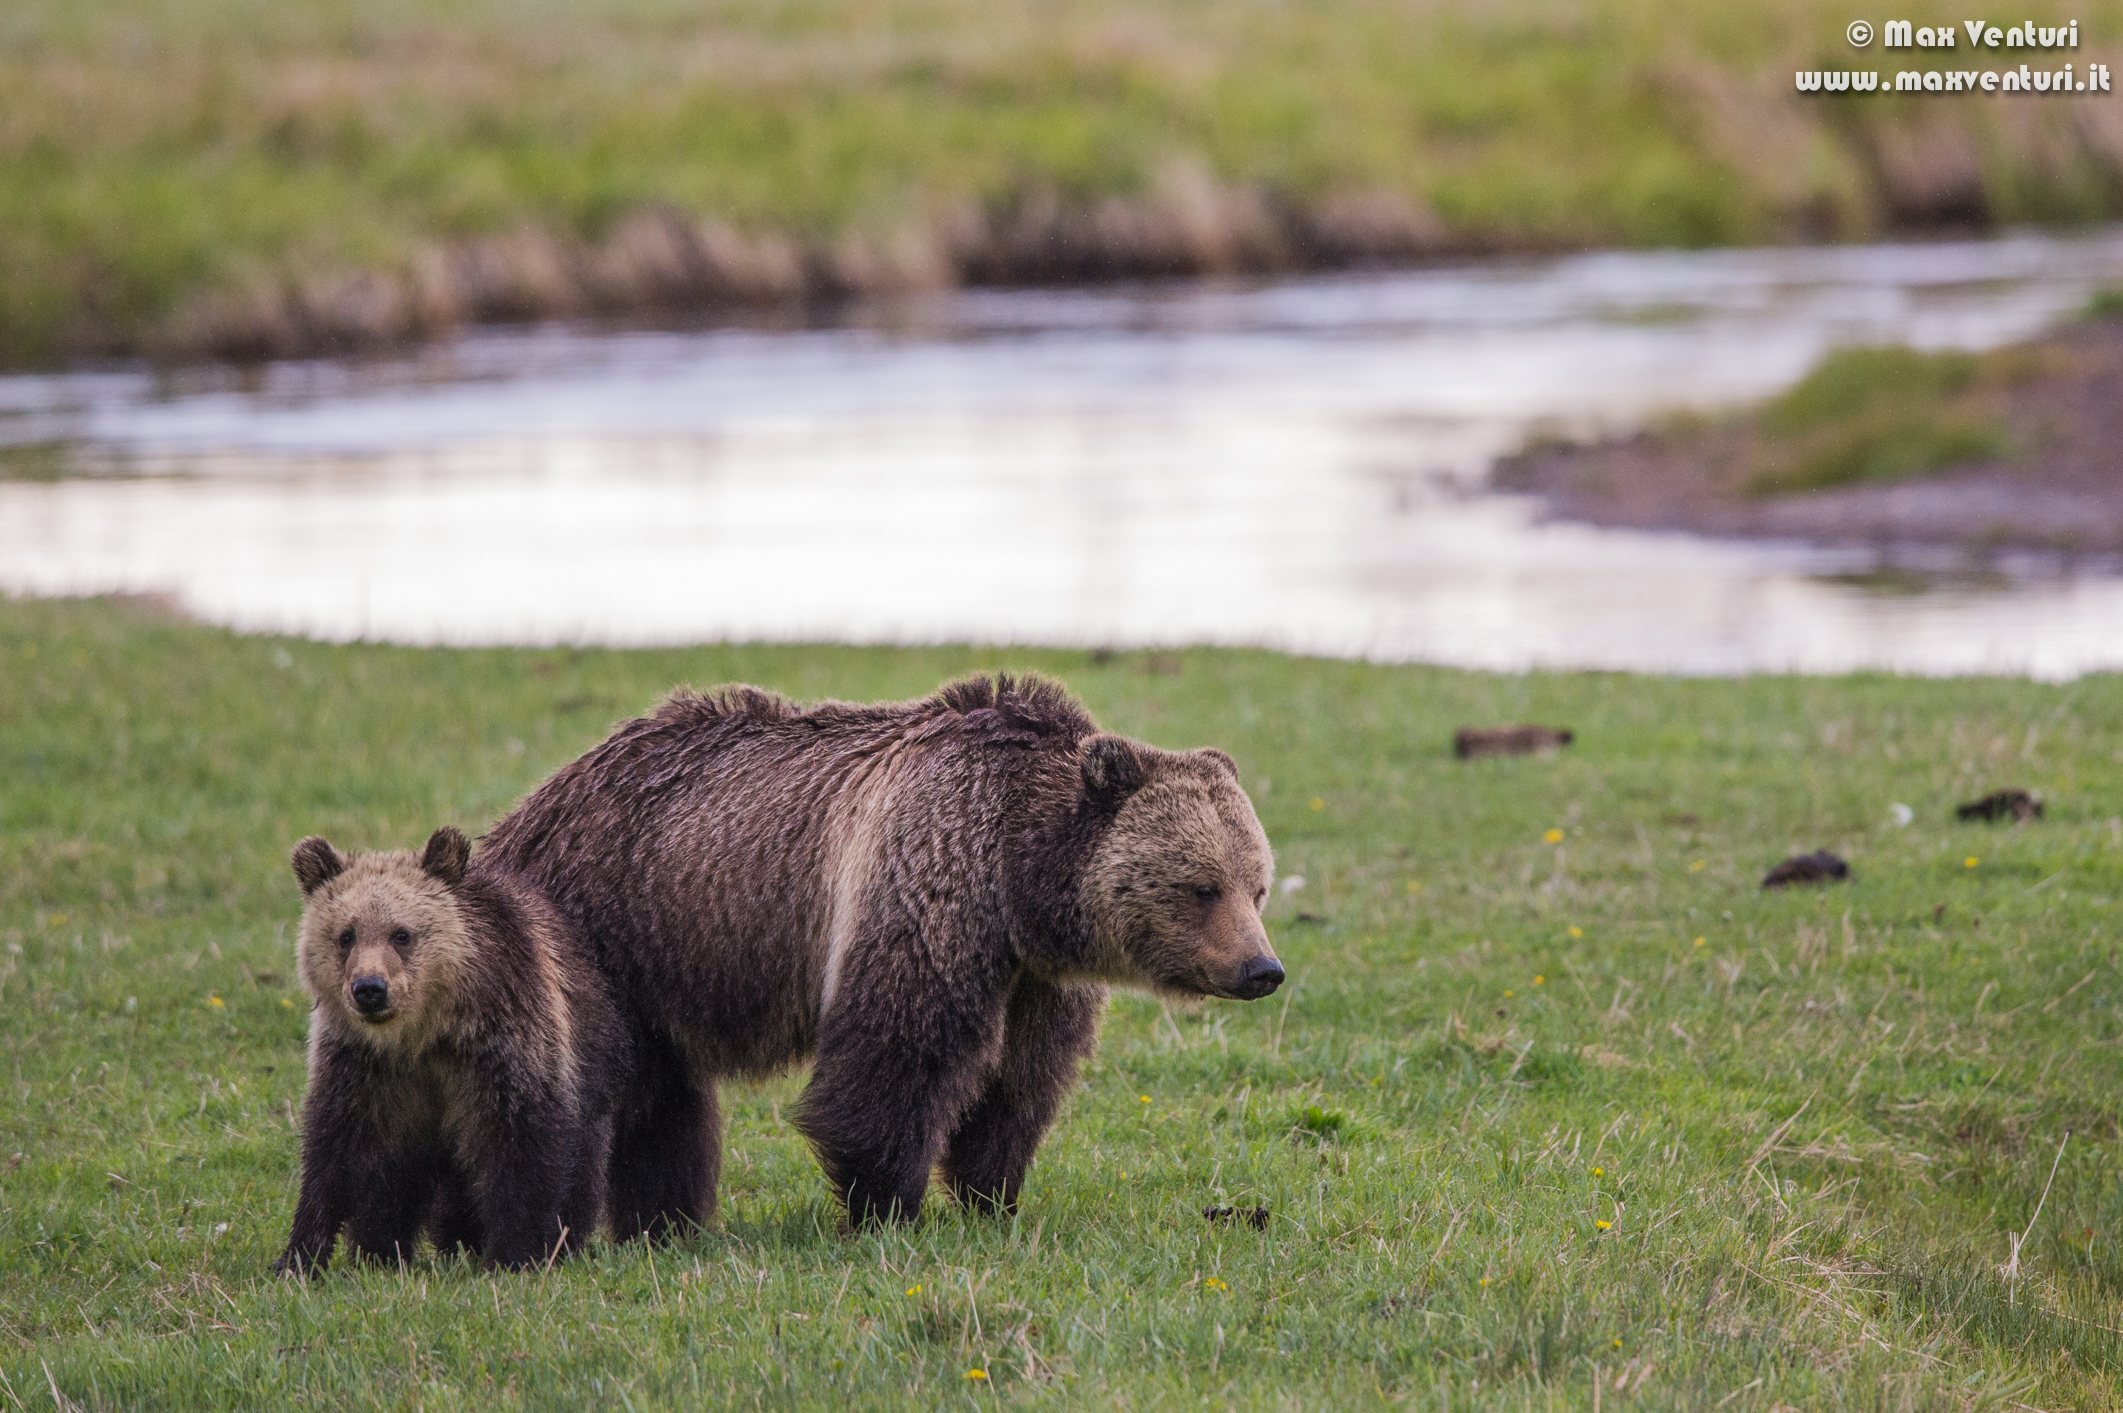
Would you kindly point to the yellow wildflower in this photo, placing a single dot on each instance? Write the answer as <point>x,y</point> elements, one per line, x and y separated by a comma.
<point>1318,803</point>
<point>1701,940</point>
<point>1603,1225</point>
<point>1697,866</point>
<point>1576,931</point>
<point>913,1290</point>
<point>1599,1172</point>
<point>216,1002</point>
<point>1554,836</point>
<point>1144,1097</point>
<point>1970,862</point>
<point>976,1374</point>
<point>1540,981</point>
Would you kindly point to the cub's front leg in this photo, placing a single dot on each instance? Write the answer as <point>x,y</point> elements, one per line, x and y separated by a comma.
<point>395,1197</point>
<point>342,1149</point>
<point>516,1137</point>
<point>453,1217</point>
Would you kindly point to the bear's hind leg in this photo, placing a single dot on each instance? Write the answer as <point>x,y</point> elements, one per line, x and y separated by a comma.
<point>666,1153</point>
<point>1047,1032</point>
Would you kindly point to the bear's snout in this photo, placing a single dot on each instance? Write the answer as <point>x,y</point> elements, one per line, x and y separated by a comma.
<point>372,994</point>
<point>1259,977</point>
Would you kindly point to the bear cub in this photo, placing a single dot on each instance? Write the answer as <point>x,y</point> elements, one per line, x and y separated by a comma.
<point>465,1057</point>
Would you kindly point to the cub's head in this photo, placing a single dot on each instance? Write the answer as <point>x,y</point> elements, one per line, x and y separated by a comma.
<point>1175,885</point>
<point>382,937</point>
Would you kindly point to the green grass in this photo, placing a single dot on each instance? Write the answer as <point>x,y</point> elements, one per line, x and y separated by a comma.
<point>153,152</point>
<point>1529,1114</point>
<point>1887,414</point>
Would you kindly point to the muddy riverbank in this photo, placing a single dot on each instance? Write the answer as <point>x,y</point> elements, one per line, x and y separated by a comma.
<point>2055,484</point>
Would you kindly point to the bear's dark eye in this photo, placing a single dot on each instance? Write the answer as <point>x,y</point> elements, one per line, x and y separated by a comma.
<point>400,937</point>
<point>1260,897</point>
<point>346,938</point>
<point>1207,892</point>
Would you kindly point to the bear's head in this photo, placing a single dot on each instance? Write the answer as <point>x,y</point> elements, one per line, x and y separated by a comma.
<point>1174,888</point>
<point>382,935</point>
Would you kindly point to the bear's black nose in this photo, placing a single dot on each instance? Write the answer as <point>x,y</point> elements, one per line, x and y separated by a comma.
<point>373,994</point>
<point>1258,977</point>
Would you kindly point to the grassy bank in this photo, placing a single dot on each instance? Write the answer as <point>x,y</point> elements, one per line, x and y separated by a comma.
<point>1537,1109</point>
<point>1884,415</point>
<point>244,178</point>
<point>1888,446</point>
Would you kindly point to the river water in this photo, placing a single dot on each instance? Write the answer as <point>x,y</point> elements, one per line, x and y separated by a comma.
<point>1296,464</point>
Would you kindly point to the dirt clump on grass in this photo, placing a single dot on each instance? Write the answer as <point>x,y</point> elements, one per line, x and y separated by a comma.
<point>1820,866</point>
<point>2018,805</point>
<point>2017,448</point>
<point>1255,1217</point>
<point>1476,742</point>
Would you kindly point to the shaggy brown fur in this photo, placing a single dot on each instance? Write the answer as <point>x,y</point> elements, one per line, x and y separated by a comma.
<point>927,896</point>
<point>1474,742</point>
<point>464,1061</point>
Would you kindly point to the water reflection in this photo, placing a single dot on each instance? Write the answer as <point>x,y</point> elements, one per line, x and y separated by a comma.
<point>1293,464</point>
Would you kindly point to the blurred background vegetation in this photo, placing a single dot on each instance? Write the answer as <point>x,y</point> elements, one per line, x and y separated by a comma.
<point>252,177</point>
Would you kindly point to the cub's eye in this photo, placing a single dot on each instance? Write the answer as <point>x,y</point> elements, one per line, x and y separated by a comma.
<point>1207,892</point>
<point>346,938</point>
<point>1260,898</point>
<point>400,937</point>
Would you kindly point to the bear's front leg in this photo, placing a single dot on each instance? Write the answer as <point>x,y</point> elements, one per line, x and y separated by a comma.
<point>320,1211</point>
<point>1047,1032</point>
<point>339,1137</point>
<point>516,1137</point>
<point>453,1217</point>
<point>392,1204</point>
<point>899,1061</point>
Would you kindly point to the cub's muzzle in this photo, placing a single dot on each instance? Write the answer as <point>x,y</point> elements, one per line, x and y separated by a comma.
<point>1258,977</point>
<point>372,995</point>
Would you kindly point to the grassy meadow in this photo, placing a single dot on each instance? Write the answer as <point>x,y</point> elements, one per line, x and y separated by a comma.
<point>256,177</point>
<point>1558,1110</point>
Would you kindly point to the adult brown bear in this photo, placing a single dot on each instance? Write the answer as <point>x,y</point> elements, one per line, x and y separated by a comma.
<point>927,896</point>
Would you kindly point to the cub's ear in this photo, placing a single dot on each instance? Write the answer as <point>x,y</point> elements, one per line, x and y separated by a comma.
<point>1112,771</point>
<point>1218,759</point>
<point>316,863</point>
<point>447,854</point>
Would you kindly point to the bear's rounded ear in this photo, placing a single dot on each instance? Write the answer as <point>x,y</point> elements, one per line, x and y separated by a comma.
<point>1218,759</point>
<point>316,863</point>
<point>447,854</point>
<point>1112,771</point>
